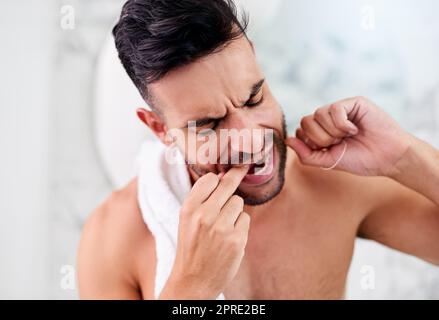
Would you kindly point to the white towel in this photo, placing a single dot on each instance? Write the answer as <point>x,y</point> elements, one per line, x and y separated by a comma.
<point>162,188</point>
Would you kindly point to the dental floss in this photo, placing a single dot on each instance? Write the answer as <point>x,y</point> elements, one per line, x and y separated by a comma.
<point>339,159</point>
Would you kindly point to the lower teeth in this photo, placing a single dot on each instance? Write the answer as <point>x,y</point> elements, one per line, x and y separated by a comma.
<point>256,168</point>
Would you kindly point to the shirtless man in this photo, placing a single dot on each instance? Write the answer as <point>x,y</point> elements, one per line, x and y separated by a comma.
<point>286,235</point>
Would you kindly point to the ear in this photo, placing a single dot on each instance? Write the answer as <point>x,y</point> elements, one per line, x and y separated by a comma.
<point>155,123</point>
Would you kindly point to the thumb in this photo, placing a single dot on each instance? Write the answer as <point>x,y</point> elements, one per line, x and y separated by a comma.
<point>302,150</point>
<point>307,156</point>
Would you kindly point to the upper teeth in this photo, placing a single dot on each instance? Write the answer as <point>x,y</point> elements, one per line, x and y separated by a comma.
<point>267,165</point>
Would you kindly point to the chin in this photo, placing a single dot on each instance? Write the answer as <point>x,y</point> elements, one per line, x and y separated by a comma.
<point>255,194</point>
<point>258,195</point>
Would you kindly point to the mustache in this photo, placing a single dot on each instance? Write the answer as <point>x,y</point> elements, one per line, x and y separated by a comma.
<point>278,144</point>
<point>241,158</point>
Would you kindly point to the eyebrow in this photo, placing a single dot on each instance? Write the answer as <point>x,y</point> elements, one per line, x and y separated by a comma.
<point>203,121</point>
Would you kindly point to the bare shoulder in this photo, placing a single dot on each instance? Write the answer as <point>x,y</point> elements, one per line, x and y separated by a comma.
<point>352,193</point>
<point>117,252</point>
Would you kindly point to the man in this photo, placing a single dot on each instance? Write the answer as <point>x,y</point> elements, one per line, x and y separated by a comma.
<point>351,171</point>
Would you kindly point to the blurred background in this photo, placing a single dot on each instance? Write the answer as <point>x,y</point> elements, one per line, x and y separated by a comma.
<point>69,134</point>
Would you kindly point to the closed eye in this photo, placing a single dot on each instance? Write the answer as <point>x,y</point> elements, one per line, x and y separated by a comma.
<point>256,94</point>
<point>255,100</point>
<point>204,130</point>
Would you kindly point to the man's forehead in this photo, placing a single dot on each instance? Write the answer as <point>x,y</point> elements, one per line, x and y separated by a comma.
<point>208,84</point>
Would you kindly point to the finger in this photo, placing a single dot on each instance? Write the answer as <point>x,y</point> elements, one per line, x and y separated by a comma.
<point>311,157</point>
<point>316,133</point>
<point>242,225</point>
<point>231,211</point>
<point>324,119</point>
<point>201,191</point>
<point>300,134</point>
<point>300,147</point>
<point>227,186</point>
<point>339,116</point>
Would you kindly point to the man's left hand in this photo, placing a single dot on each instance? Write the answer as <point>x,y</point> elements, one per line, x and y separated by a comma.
<point>364,139</point>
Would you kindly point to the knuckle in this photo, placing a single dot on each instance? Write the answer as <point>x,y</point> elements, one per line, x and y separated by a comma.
<point>185,210</point>
<point>341,125</point>
<point>220,230</point>
<point>202,221</point>
<point>319,113</point>
<point>360,99</point>
<point>338,123</point>
<point>333,107</point>
<point>196,218</point>
<point>327,140</point>
<point>237,200</point>
<point>303,122</point>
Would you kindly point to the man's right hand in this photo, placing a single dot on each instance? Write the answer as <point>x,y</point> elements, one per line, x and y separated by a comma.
<point>213,233</point>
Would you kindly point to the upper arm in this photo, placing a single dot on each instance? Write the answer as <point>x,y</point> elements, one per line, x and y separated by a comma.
<point>402,219</point>
<point>102,273</point>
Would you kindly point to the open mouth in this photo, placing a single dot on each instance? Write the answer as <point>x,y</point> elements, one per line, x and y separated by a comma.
<point>262,166</point>
<point>255,168</point>
<point>262,171</point>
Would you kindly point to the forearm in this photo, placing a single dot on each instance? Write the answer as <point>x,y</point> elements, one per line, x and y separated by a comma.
<point>418,169</point>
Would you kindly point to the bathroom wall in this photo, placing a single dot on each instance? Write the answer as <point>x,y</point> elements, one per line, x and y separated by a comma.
<point>78,182</point>
<point>26,64</point>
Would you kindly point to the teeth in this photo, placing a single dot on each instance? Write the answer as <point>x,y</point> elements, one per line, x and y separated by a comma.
<point>261,161</point>
<point>266,167</point>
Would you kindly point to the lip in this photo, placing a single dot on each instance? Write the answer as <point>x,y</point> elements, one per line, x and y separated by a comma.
<point>260,179</point>
<point>225,168</point>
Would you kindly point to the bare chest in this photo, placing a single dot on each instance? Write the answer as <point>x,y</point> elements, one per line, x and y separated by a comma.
<point>307,259</point>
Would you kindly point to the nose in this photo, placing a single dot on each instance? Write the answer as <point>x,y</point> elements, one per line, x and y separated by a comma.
<point>246,137</point>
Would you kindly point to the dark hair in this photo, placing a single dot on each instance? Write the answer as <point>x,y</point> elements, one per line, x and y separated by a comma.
<point>154,37</point>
